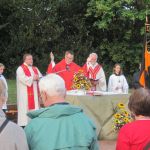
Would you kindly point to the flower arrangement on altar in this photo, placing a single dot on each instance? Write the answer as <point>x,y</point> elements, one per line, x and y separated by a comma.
<point>120,117</point>
<point>80,81</point>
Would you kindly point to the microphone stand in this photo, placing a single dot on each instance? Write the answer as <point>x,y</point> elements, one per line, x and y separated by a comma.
<point>60,71</point>
<point>67,69</point>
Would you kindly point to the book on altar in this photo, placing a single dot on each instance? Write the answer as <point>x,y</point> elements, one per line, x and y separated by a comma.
<point>98,93</point>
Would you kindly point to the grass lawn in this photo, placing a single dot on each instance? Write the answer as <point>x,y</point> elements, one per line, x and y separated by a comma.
<point>12,92</point>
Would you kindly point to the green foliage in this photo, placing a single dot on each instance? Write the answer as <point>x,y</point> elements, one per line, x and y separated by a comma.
<point>12,96</point>
<point>121,24</point>
<point>114,29</point>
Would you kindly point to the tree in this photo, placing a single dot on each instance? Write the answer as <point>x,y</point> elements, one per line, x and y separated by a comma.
<point>121,29</point>
<point>114,29</point>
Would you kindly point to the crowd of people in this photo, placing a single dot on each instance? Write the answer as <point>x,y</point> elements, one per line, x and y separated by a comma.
<point>59,125</point>
<point>92,69</point>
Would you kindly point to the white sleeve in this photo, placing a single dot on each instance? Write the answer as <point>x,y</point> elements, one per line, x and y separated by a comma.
<point>102,76</point>
<point>5,82</point>
<point>53,64</point>
<point>39,73</point>
<point>23,78</point>
<point>110,84</point>
<point>125,85</point>
<point>102,79</point>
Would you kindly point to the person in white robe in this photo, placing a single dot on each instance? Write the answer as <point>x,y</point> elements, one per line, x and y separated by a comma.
<point>117,82</point>
<point>95,73</point>
<point>2,67</point>
<point>25,82</point>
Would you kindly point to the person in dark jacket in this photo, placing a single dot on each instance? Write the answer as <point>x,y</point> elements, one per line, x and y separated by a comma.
<point>136,76</point>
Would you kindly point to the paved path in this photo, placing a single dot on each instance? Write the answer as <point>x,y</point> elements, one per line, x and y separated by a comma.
<point>107,145</point>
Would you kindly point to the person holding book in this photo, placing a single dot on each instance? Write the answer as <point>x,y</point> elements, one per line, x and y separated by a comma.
<point>95,73</point>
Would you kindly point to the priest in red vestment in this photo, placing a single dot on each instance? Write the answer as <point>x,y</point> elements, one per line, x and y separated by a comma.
<point>27,89</point>
<point>95,73</point>
<point>65,68</point>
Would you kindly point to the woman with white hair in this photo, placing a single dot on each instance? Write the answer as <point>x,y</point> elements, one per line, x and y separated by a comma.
<point>12,137</point>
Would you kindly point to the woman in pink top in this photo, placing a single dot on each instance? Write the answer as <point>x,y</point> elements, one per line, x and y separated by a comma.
<point>136,135</point>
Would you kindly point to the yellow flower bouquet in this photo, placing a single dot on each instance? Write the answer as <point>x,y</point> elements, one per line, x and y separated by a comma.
<point>121,117</point>
<point>80,81</point>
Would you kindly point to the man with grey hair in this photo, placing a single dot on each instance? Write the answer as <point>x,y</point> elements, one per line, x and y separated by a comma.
<point>95,73</point>
<point>59,125</point>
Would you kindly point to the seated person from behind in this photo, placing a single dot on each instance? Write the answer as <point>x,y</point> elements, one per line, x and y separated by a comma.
<point>59,125</point>
<point>12,137</point>
<point>136,135</point>
<point>117,82</point>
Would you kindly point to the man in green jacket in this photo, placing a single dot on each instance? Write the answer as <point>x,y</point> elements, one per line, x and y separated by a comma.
<point>59,126</point>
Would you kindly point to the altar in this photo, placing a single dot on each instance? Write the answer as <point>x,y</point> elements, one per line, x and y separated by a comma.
<point>100,110</point>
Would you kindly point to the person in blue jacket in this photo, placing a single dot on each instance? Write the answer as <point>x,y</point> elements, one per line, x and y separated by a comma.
<point>59,125</point>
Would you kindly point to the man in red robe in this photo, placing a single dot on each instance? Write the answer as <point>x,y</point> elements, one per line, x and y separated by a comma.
<point>65,68</point>
<point>95,73</point>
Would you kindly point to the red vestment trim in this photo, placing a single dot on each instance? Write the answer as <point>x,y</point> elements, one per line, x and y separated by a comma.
<point>30,90</point>
<point>94,71</point>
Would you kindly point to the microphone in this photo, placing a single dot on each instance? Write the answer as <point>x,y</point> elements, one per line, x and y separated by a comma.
<point>67,68</point>
<point>60,71</point>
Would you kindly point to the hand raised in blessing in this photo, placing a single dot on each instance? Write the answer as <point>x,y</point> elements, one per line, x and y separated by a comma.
<point>51,56</point>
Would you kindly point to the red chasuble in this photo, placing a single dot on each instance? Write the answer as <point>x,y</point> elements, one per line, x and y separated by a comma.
<point>90,72</point>
<point>93,72</point>
<point>30,90</point>
<point>85,70</point>
<point>66,71</point>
